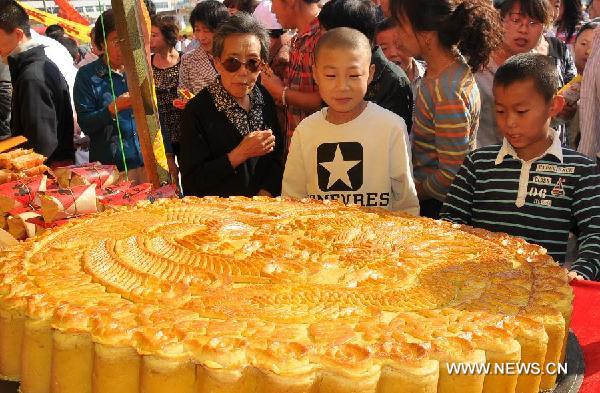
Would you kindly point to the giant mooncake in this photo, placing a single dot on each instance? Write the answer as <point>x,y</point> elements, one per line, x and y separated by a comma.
<point>269,295</point>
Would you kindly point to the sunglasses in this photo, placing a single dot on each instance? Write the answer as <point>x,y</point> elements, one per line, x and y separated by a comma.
<point>233,65</point>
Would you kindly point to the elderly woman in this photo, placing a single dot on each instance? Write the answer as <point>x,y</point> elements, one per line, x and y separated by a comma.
<point>230,138</point>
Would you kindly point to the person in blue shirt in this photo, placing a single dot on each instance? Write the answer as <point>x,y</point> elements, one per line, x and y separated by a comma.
<point>95,106</point>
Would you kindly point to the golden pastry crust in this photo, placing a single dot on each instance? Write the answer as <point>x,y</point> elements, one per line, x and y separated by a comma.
<point>290,290</point>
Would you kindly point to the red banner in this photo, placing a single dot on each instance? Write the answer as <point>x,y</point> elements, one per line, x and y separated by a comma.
<point>67,11</point>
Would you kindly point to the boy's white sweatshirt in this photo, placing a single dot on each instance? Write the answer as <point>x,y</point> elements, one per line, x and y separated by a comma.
<point>365,161</point>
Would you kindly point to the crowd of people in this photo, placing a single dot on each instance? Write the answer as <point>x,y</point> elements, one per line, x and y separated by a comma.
<point>480,112</point>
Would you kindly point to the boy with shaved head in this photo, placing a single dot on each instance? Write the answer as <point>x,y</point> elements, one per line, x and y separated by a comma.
<point>352,151</point>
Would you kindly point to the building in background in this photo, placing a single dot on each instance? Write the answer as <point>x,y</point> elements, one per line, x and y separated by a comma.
<point>93,8</point>
<point>186,4</point>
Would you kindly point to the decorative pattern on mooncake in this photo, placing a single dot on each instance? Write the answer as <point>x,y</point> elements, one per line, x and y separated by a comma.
<point>271,295</point>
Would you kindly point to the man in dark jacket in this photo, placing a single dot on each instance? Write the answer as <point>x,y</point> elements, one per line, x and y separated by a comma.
<point>5,97</point>
<point>390,87</point>
<point>41,105</point>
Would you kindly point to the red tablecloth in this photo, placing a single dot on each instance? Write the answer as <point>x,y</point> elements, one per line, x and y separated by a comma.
<point>586,325</point>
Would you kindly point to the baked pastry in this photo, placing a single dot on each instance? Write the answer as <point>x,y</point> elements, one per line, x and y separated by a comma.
<point>270,295</point>
<point>20,163</point>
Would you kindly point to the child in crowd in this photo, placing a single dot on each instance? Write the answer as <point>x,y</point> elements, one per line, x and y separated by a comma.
<point>530,186</point>
<point>583,44</point>
<point>447,104</point>
<point>352,151</point>
<point>387,38</point>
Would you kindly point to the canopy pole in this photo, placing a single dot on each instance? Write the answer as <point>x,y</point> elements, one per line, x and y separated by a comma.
<point>133,28</point>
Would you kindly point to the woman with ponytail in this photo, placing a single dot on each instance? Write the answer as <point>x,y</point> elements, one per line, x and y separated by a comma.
<point>455,38</point>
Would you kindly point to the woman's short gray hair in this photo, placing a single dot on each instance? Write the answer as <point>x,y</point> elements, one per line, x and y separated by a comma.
<point>241,23</point>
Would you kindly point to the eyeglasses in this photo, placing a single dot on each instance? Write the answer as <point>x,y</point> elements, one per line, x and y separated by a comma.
<point>518,20</point>
<point>233,65</point>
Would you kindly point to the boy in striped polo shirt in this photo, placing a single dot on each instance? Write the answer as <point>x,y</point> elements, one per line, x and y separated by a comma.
<point>531,186</point>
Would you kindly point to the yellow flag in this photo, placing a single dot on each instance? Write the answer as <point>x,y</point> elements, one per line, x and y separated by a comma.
<point>157,142</point>
<point>76,30</point>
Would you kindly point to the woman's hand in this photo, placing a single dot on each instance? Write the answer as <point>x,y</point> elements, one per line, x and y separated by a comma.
<point>255,144</point>
<point>180,103</point>
<point>186,96</point>
<point>123,102</point>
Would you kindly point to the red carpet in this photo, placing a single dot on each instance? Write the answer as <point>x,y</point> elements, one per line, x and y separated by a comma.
<point>586,325</point>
